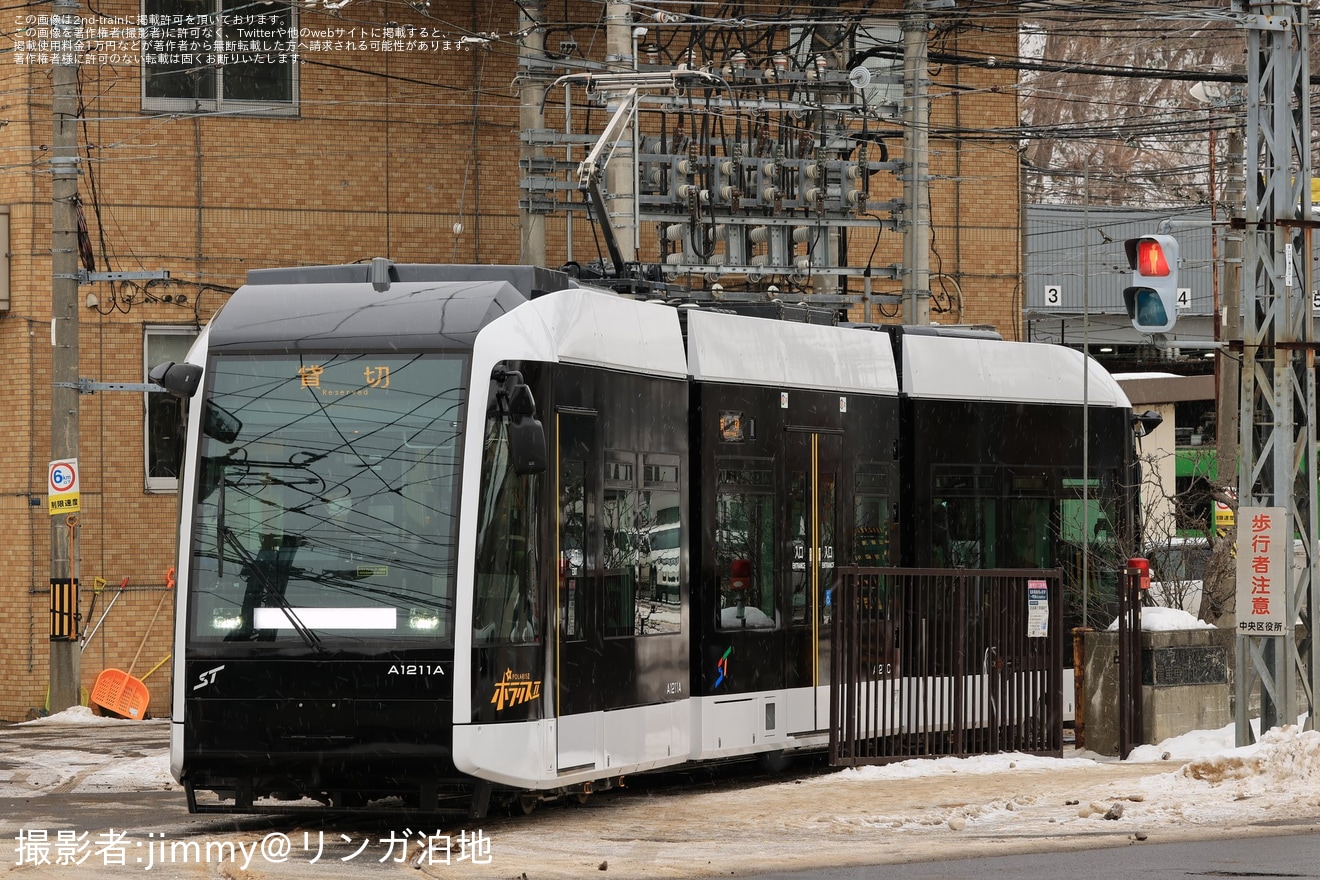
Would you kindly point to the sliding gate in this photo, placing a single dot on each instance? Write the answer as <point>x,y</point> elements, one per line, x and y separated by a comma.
<point>945,662</point>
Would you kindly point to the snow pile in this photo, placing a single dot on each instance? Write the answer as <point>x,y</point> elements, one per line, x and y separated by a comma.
<point>1156,619</point>
<point>1196,744</point>
<point>80,715</point>
<point>1283,757</point>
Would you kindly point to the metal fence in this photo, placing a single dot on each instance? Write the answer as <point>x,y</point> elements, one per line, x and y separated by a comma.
<point>945,662</point>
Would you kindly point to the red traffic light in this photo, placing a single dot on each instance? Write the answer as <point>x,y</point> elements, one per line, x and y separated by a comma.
<point>1152,256</point>
<point>1151,298</point>
<point>1151,260</point>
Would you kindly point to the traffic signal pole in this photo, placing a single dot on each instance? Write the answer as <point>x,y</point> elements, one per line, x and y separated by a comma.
<point>1277,467</point>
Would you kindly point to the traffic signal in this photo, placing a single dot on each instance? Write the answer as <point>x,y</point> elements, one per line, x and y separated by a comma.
<point>1152,300</point>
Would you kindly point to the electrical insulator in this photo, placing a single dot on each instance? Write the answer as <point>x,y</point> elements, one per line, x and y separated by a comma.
<point>674,232</point>
<point>814,171</point>
<point>770,193</point>
<point>759,234</point>
<point>801,234</point>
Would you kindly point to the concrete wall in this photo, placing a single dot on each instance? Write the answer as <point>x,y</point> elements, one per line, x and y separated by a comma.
<point>1187,685</point>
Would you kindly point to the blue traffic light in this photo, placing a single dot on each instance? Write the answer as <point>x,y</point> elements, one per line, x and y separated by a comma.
<point>1152,297</point>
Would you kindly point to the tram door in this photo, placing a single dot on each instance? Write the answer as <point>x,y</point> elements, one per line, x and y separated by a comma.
<point>813,461</point>
<point>578,650</point>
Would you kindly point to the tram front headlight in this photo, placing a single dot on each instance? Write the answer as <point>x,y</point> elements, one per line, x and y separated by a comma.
<point>226,619</point>
<point>423,619</point>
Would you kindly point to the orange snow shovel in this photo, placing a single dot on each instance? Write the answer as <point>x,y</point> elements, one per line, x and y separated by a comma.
<point>117,691</point>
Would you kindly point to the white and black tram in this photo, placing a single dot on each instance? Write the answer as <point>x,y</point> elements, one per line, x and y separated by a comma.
<point>451,529</point>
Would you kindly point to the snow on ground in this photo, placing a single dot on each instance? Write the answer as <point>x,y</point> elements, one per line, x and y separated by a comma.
<point>1203,780</point>
<point>84,752</point>
<point>1188,787</point>
<point>144,774</point>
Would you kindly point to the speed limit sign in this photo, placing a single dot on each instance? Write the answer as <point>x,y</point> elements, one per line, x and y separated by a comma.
<point>62,487</point>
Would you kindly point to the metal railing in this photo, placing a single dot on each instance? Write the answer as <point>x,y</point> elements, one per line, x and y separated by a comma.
<point>945,662</point>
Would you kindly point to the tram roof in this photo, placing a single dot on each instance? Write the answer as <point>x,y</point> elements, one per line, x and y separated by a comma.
<point>299,315</point>
<point>955,368</point>
<point>594,328</point>
<point>759,351</point>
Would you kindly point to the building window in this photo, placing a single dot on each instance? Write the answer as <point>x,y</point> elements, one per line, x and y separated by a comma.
<point>163,424</point>
<point>213,55</point>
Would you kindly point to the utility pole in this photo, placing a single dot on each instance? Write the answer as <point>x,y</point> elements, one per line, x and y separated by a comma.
<point>1278,402</point>
<point>531,117</point>
<point>65,689</point>
<point>916,156</point>
<point>620,174</point>
<point>1230,326</point>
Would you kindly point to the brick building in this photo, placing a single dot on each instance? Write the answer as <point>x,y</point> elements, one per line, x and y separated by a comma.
<point>394,133</point>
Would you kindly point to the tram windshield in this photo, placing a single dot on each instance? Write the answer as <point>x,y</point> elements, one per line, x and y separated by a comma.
<point>326,499</point>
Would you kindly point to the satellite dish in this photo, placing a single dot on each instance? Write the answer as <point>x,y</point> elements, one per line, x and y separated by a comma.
<point>859,77</point>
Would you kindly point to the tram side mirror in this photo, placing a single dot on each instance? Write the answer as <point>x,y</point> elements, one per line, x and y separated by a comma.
<point>1146,423</point>
<point>181,380</point>
<point>527,445</point>
<point>521,402</point>
<point>220,423</point>
<point>526,434</point>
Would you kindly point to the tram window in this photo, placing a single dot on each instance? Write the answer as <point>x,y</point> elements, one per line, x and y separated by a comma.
<point>333,496</point>
<point>871,531</point>
<point>744,559</point>
<point>1028,538</point>
<point>1094,526</point>
<point>810,550</point>
<point>659,592</point>
<point>964,532</point>
<point>572,548</point>
<point>505,606</point>
<point>641,549</point>
<point>660,522</point>
<point>620,552</point>
<point>1089,543</point>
